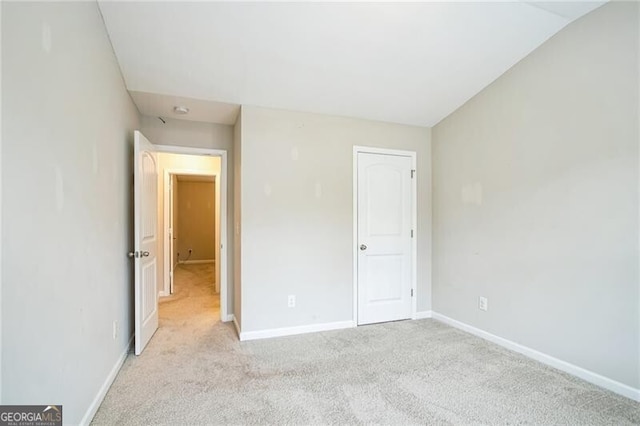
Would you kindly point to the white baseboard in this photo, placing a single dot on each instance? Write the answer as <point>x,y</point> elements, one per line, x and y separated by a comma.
<point>423,315</point>
<point>584,374</point>
<point>95,404</point>
<point>228,318</point>
<point>290,331</point>
<point>235,323</point>
<point>194,262</point>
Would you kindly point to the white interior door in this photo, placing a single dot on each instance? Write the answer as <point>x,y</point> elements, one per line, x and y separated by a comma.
<point>146,241</point>
<point>384,230</point>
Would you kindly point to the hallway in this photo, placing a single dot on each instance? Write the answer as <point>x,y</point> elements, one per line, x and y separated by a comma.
<point>194,298</point>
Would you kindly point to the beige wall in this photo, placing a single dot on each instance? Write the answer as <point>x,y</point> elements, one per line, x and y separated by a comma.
<point>188,133</point>
<point>196,220</point>
<point>536,200</point>
<point>296,239</point>
<point>67,141</point>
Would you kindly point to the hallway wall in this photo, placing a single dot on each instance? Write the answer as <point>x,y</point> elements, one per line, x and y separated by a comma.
<point>196,220</point>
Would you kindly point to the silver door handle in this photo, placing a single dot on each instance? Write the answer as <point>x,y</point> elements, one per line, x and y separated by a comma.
<point>144,254</point>
<point>132,254</point>
<point>363,247</point>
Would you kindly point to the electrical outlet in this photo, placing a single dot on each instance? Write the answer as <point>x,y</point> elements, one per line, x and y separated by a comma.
<point>291,301</point>
<point>115,330</point>
<point>483,303</point>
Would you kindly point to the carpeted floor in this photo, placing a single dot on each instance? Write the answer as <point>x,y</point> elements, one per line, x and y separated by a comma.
<point>195,371</point>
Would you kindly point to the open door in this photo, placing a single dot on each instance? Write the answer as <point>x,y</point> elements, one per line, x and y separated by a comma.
<point>145,178</point>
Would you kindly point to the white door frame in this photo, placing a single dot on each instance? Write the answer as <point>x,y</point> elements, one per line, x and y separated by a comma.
<point>221,188</point>
<point>414,215</point>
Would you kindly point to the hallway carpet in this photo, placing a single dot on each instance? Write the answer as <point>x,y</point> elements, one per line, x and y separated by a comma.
<point>195,371</point>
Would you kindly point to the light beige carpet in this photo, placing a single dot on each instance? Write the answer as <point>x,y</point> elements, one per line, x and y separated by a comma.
<point>195,371</point>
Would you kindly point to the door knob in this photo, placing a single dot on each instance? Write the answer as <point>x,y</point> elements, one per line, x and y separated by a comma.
<point>132,254</point>
<point>144,254</point>
<point>363,247</point>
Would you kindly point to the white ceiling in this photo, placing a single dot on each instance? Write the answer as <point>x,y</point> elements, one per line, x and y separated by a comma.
<point>411,63</point>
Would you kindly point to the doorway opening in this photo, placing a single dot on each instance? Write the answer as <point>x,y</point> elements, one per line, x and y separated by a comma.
<point>192,224</point>
<point>152,240</point>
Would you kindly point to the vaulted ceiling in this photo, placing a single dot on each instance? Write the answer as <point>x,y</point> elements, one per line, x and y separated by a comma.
<point>411,63</point>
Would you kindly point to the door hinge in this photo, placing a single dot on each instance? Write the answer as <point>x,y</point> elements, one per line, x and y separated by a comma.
<point>411,292</point>
<point>412,233</point>
<point>413,172</point>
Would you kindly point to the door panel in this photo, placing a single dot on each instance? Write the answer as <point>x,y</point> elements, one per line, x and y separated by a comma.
<point>382,276</point>
<point>385,197</point>
<point>149,281</point>
<point>384,201</point>
<point>146,241</point>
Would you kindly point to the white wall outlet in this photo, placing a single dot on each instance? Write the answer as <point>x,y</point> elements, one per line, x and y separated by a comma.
<point>291,301</point>
<point>483,303</point>
<point>115,330</point>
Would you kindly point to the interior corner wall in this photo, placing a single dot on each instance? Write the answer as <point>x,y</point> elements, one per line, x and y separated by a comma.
<point>67,142</point>
<point>536,200</point>
<point>297,214</point>
<point>194,134</point>
<point>237,220</point>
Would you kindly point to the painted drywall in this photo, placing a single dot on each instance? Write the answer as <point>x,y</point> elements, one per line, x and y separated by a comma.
<point>196,220</point>
<point>536,200</point>
<point>193,134</point>
<point>297,213</point>
<point>237,219</point>
<point>1,400</point>
<point>67,142</point>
